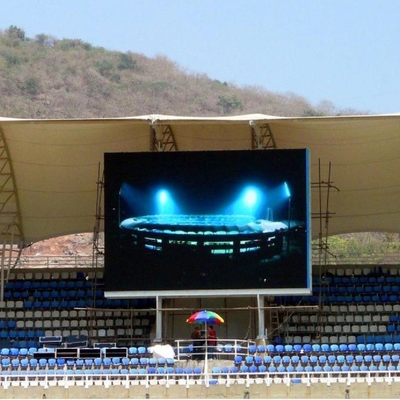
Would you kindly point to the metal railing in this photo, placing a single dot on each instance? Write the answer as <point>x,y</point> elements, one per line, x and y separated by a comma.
<point>129,377</point>
<point>86,261</point>
<point>224,349</point>
<point>377,259</point>
<point>59,261</point>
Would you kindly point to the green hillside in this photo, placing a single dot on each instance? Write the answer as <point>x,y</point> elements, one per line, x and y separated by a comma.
<point>46,77</point>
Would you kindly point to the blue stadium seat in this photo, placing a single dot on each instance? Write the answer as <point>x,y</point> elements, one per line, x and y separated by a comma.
<point>370,346</point>
<point>88,362</point>
<point>367,359</point>
<point>340,359</point>
<point>23,352</point>
<point>267,360</point>
<point>161,362</point>
<point>386,359</point>
<point>349,359</point>
<point>262,368</point>
<point>233,369</point>
<point>279,348</point>
<point>315,348</point>
<point>325,347</point>
<point>288,348</point>
<point>270,348</point>
<point>318,368</point>
<point>304,359</point>
<point>15,364</point>
<point>244,368</point>
<point>24,363</point>
<point>249,360</point>
<point>143,361</point>
<point>334,348</point>
<point>389,346</point>
<point>297,348</point>
<point>313,360</point>
<point>132,351</point>
<point>379,347</point>
<point>363,368</point>
<point>258,360</point>
<point>286,360</point>
<point>197,370</point>
<point>359,359</point>
<point>178,370</point>
<point>352,347</point>
<point>107,362</point>
<point>261,348</point>
<point>345,368</point>
<point>307,347</point>
<point>331,359</point>
<point>135,362</point>
<point>252,349</point>
<point>295,359</point>
<point>228,348</point>
<point>322,359</point>
<point>396,346</point>
<point>377,358</point>
<point>343,348</point>
<point>277,359</point>
<point>299,368</point>
<point>361,347</point>
<point>150,370</point>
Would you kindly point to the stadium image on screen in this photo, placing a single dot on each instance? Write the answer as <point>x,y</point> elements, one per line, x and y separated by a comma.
<point>207,223</point>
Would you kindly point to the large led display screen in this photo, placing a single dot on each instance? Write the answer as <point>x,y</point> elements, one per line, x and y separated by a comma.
<point>207,223</point>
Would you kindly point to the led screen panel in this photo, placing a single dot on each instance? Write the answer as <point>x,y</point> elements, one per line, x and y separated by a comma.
<point>207,223</point>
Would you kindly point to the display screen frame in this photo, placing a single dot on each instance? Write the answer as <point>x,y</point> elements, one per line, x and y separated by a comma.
<point>146,256</point>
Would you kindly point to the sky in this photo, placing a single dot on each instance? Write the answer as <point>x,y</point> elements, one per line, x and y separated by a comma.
<point>346,52</point>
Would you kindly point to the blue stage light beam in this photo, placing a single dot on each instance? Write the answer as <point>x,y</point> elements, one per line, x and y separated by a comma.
<point>249,202</point>
<point>164,202</point>
<point>289,197</point>
<point>162,197</point>
<point>250,197</point>
<point>287,190</point>
<point>131,201</point>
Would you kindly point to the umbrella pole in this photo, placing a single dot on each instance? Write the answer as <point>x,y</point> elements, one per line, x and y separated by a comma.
<point>206,355</point>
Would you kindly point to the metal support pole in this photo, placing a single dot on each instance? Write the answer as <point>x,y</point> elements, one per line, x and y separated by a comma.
<point>261,316</point>
<point>159,335</point>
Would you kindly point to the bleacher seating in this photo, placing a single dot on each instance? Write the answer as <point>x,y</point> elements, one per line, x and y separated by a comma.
<point>355,308</point>
<point>40,304</point>
<point>356,332</point>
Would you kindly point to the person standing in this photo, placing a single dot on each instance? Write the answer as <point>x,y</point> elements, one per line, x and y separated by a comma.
<point>197,343</point>
<point>211,341</point>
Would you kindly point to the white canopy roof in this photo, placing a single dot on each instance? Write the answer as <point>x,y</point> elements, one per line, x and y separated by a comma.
<point>55,163</point>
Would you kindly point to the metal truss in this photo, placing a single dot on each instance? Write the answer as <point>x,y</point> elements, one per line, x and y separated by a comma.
<point>10,217</point>
<point>261,136</point>
<point>162,138</point>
